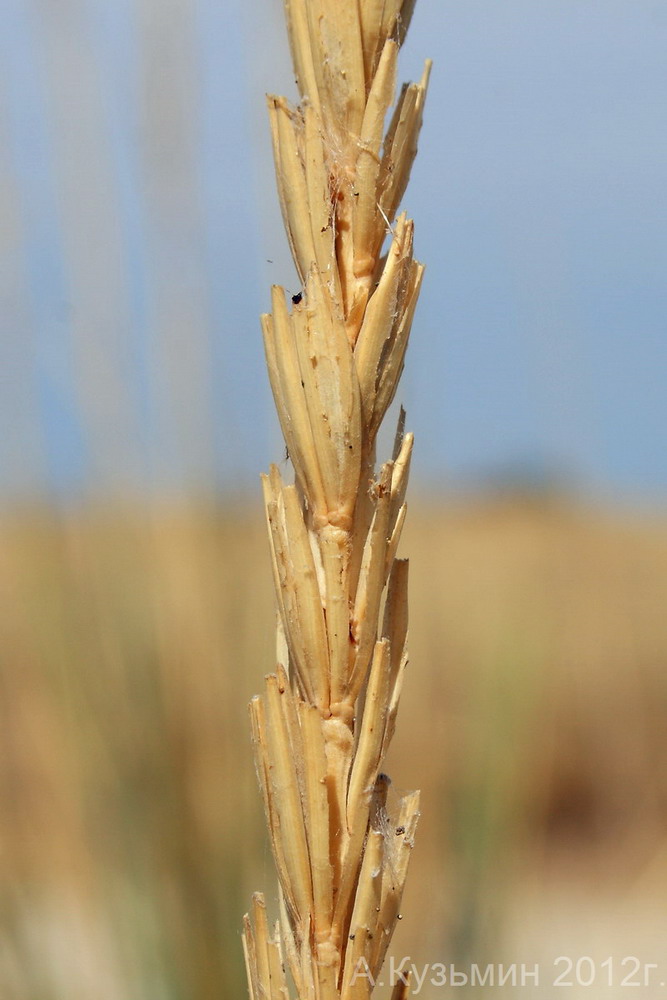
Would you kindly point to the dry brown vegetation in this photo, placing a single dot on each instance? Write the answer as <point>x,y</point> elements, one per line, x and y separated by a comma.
<point>131,828</point>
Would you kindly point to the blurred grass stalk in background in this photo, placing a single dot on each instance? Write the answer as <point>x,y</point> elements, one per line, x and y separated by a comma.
<point>130,822</point>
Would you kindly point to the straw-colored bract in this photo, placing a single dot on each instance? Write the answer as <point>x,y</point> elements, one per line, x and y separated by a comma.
<point>322,728</point>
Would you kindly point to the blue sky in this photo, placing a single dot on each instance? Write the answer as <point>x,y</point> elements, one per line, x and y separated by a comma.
<point>138,255</point>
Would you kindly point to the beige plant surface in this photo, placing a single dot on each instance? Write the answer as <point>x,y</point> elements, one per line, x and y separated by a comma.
<point>335,354</point>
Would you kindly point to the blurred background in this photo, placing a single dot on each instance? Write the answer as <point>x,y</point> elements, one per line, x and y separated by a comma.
<point>139,236</point>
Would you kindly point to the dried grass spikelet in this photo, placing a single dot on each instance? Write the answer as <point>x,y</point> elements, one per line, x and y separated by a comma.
<point>323,725</point>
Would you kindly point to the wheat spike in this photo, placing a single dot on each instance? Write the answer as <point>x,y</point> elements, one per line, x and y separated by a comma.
<point>323,726</point>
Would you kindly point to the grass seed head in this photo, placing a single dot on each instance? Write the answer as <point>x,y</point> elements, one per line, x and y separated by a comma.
<point>335,354</point>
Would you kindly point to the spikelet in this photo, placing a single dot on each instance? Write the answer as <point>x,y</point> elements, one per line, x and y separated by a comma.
<point>325,721</point>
